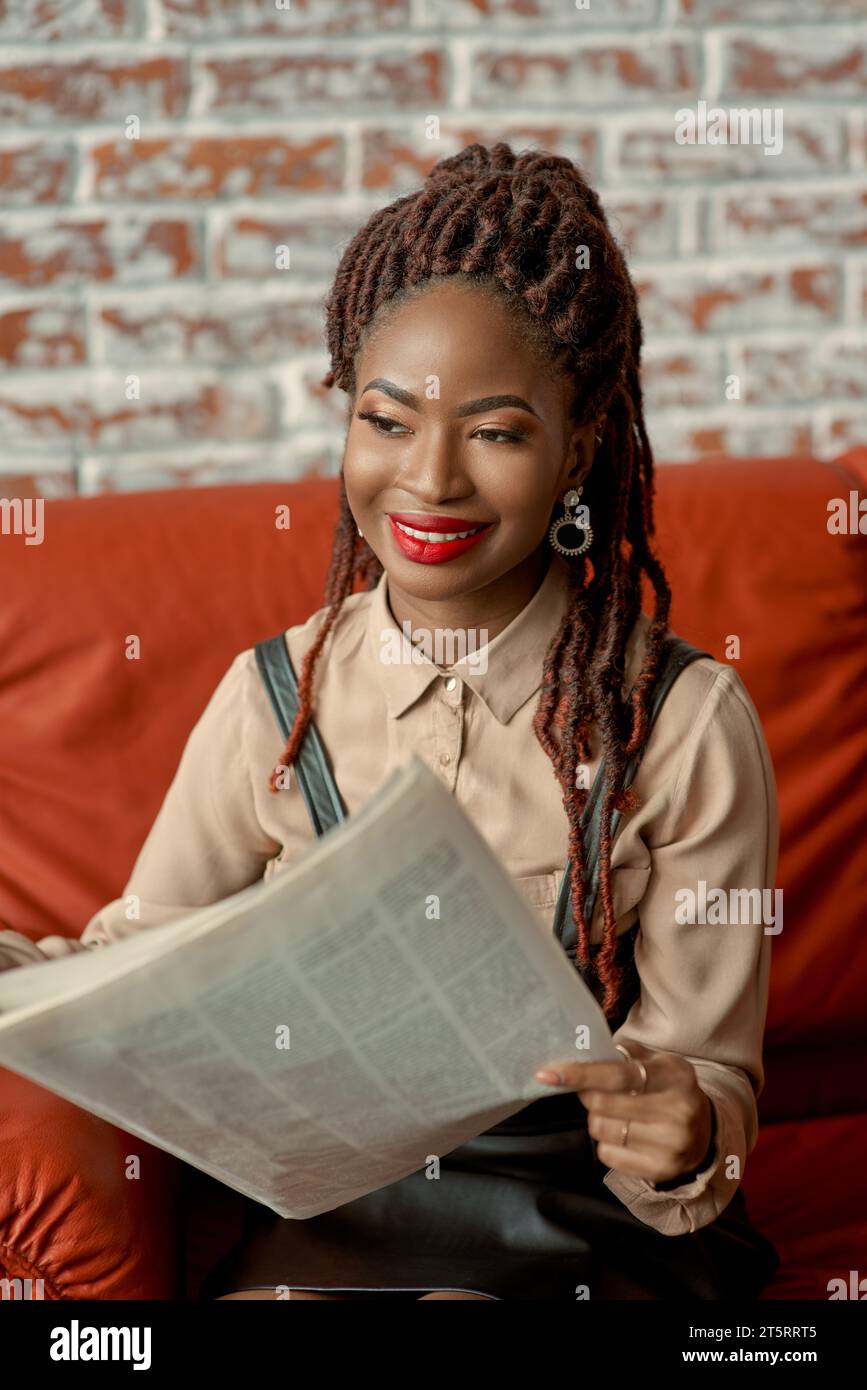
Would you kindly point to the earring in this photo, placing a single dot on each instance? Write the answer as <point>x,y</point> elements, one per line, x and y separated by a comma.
<point>571,499</point>
<point>360,532</point>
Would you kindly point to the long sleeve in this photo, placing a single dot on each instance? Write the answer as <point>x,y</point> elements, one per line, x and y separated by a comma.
<point>704,985</point>
<point>206,841</point>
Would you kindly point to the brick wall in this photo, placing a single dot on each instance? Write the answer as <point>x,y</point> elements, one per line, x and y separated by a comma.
<point>148,339</point>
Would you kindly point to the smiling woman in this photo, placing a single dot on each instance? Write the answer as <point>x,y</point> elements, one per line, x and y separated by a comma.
<point>486,332</point>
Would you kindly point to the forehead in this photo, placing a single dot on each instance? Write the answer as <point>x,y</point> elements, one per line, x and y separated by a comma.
<point>463,335</point>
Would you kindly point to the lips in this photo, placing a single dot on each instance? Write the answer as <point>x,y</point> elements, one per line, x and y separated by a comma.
<point>434,521</point>
<point>430,539</point>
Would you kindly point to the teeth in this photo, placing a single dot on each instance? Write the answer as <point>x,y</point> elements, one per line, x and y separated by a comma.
<point>437,535</point>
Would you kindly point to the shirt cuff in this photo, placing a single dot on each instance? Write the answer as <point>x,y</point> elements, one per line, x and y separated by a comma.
<point>698,1201</point>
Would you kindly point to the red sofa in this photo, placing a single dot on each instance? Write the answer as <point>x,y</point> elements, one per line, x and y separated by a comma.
<point>89,742</point>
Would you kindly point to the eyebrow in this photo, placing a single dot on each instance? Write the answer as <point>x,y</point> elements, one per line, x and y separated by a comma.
<point>381,383</point>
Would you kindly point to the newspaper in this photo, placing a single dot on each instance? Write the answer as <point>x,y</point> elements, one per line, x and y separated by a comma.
<point>317,1036</point>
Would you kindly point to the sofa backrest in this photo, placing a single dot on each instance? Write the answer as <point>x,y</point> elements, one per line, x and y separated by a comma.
<point>89,739</point>
<point>749,553</point>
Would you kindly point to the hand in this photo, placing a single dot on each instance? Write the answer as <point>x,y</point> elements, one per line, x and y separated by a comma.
<point>669,1121</point>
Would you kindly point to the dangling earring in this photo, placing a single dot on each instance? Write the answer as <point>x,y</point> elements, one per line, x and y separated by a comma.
<point>571,499</point>
<point>360,532</point>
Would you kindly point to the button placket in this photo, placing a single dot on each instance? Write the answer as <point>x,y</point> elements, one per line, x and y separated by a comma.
<point>448,726</point>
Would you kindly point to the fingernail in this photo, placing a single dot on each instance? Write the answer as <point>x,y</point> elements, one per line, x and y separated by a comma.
<point>549,1076</point>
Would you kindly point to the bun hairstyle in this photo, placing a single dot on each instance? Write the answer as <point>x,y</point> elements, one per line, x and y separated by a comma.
<point>513,225</point>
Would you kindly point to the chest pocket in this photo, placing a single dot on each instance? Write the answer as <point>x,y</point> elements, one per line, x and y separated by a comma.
<point>540,891</point>
<point>628,886</point>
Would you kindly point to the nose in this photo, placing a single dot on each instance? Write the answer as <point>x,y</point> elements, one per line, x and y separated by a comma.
<point>432,472</point>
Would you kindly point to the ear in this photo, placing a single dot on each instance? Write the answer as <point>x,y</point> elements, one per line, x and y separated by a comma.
<point>578,457</point>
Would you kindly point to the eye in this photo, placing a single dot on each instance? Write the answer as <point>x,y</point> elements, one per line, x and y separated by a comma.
<point>506,435</point>
<point>381,424</point>
<point>377,421</point>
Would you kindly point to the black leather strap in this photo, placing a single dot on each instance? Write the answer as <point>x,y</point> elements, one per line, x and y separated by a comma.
<point>677,655</point>
<point>312,768</point>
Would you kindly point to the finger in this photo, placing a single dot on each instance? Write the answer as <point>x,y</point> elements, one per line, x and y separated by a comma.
<point>647,1163</point>
<point>641,1134</point>
<point>597,1076</point>
<point>622,1105</point>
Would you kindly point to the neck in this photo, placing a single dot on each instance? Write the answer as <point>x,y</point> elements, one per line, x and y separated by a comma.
<point>481,614</point>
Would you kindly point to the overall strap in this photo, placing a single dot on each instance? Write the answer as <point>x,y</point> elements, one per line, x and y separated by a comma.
<point>312,768</point>
<point>677,655</point>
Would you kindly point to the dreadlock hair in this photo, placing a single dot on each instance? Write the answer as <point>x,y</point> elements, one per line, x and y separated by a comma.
<point>511,224</point>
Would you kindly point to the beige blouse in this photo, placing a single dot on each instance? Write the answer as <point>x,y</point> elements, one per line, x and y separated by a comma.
<point>708,813</point>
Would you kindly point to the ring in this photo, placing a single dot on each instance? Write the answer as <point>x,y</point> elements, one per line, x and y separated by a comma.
<point>641,1067</point>
<point>625,1135</point>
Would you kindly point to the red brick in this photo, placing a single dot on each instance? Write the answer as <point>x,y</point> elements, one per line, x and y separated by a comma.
<point>45,20</point>
<point>396,161</point>
<point>39,476</point>
<point>36,173</point>
<point>95,409</point>
<point>813,142</point>
<point>217,166</point>
<point>720,297</point>
<point>768,11</point>
<point>817,216</point>
<point>207,327</point>
<point>284,84</point>
<point>92,89</point>
<point>843,429</point>
<point>118,472</point>
<point>549,14</point>
<point>642,226</point>
<point>245,246</point>
<point>803,63</point>
<point>132,250</point>
<point>43,335</point>
<point>211,19</point>
<point>236,409</point>
<point>681,438</point>
<point>693,374</point>
<point>804,369</point>
<point>595,73</point>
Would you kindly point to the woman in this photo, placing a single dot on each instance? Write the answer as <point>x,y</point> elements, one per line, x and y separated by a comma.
<point>497,485</point>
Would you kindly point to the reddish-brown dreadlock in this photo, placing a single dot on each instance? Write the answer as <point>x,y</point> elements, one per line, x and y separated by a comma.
<point>513,225</point>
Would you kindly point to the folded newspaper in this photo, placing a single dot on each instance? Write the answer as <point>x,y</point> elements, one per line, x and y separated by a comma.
<point>319,1035</point>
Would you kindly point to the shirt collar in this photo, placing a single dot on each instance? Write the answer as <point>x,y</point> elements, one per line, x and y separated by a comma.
<point>514,658</point>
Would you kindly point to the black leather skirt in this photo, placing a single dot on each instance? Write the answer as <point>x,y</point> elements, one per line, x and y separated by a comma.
<point>519,1212</point>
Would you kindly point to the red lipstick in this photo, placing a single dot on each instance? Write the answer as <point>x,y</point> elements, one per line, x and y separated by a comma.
<point>427,551</point>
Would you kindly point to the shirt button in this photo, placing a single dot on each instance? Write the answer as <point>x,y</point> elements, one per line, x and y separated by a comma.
<point>445,758</point>
<point>451,683</point>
